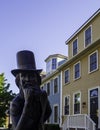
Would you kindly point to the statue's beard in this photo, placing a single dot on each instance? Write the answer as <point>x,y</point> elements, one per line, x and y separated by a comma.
<point>26,84</point>
<point>30,85</point>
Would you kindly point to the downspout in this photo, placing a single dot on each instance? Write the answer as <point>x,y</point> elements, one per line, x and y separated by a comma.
<point>98,106</point>
<point>61,99</point>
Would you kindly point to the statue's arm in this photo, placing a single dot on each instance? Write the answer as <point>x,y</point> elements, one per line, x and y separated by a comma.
<point>21,114</point>
<point>45,106</point>
<point>23,121</point>
<point>48,111</point>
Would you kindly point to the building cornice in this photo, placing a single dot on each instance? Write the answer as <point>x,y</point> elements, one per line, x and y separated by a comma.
<point>56,55</point>
<point>73,59</point>
<point>90,19</point>
<point>50,76</point>
<point>81,54</point>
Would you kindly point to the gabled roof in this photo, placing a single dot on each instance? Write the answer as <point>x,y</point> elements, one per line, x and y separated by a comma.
<point>91,18</point>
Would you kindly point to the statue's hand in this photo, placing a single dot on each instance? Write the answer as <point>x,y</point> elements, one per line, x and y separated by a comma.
<point>28,95</point>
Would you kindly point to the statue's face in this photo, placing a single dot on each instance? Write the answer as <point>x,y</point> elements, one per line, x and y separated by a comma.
<point>28,78</point>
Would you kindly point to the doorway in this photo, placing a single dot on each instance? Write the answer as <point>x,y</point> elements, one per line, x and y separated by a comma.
<point>94,105</point>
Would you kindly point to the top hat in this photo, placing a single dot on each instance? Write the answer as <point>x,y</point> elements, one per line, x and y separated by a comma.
<point>25,63</point>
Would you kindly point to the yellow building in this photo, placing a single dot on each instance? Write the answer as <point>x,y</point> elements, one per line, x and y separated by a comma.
<point>81,77</point>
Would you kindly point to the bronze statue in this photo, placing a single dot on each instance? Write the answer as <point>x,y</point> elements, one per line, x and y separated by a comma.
<point>30,108</point>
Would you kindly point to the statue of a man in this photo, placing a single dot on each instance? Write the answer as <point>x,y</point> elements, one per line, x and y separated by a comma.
<point>30,108</point>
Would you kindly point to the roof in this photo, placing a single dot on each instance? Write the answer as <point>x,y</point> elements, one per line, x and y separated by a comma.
<point>56,55</point>
<point>91,18</point>
<point>70,61</point>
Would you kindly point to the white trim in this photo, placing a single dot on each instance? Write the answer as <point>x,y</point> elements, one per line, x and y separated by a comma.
<point>96,51</point>
<point>60,107</point>
<point>73,101</point>
<point>74,70</point>
<point>91,18</point>
<point>99,106</point>
<point>90,26</point>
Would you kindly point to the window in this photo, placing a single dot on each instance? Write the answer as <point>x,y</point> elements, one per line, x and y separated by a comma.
<point>77,100</point>
<point>77,70</point>
<point>48,65</point>
<point>66,106</point>
<point>93,62</point>
<point>66,76</point>
<point>75,47</point>
<point>88,36</point>
<point>94,93</point>
<point>48,89</point>
<point>55,85</point>
<point>54,63</point>
<point>56,114</point>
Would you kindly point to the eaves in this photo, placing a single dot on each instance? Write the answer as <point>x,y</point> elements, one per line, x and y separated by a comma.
<point>50,76</point>
<point>89,20</point>
<point>81,54</point>
<point>73,59</point>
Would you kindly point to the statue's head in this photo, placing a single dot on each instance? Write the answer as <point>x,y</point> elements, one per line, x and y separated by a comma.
<point>26,71</point>
<point>25,63</point>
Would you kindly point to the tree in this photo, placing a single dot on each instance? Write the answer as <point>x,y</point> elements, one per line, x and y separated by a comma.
<point>6,96</point>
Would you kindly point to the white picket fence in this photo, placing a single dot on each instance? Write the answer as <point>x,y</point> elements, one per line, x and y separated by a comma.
<point>81,121</point>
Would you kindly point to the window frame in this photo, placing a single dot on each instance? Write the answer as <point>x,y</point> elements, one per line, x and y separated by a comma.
<point>55,122</point>
<point>67,105</point>
<point>75,78</point>
<point>89,65</point>
<point>73,47</point>
<point>87,44</point>
<point>54,86</point>
<point>76,103</point>
<point>68,77</point>
<point>54,64</point>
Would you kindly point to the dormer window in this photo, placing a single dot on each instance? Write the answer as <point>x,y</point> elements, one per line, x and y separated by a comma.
<point>54,63</point>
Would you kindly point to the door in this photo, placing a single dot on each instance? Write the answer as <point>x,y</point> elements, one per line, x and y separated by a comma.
<point>94,105</point>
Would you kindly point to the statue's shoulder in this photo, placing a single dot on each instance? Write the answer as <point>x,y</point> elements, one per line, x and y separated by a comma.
<point>44,97</point>
<point>17,100</point>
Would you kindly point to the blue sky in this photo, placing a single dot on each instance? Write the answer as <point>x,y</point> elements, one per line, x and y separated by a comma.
<point>41,26</point>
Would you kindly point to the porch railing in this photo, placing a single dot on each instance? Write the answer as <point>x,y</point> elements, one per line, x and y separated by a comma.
<point>81,121</point>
